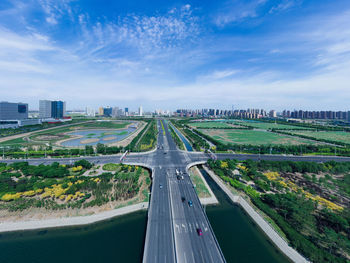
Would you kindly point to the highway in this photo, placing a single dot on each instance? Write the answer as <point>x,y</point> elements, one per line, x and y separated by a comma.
<point>173,225</point>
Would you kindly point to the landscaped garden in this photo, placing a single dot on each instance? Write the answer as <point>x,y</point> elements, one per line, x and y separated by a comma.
<point>309,202</point>
<point>52,187</point>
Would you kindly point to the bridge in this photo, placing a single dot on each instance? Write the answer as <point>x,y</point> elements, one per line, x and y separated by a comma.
<point>173,224</point>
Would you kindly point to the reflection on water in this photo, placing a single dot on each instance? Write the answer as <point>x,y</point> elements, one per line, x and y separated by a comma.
<point>93,137</point>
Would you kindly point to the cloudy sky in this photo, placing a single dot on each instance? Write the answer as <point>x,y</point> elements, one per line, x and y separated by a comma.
<point>271,54</point>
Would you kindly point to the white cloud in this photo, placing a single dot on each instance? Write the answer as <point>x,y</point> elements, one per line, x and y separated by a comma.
<point>284,5</point>
<point>236,11</point>
<point>220,74</point>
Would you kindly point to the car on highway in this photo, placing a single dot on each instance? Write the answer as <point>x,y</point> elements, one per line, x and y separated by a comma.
<point>190,204</point>
<point>183,199</point>
<point>160,186</point>
<point>199,232</point>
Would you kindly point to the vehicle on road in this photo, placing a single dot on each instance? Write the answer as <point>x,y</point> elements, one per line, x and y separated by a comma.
<point>190,204</point>
<point>160,186</point>
<point>199,232</point>
<point>183,199</point>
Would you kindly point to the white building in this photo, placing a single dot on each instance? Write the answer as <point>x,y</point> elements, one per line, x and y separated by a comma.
<point>90,112</point>
<point>140,111</point>
<point>45,109</point>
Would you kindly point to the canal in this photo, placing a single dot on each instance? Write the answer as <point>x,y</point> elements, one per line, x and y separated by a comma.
<point>121,239</point>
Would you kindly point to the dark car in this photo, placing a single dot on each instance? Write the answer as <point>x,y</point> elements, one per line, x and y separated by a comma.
<point>190,203</point>
<point>183,199</point>
<point>199,232</point>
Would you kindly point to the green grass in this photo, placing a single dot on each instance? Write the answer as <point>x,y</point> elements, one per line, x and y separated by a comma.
<point>110,167</point>
<point>336,136</point>
<point>201,189</point>
<point>212,124</point>
<point>267,126</point>
<point>254,137</point>
<point>14,142</point>
<point>105,124</point>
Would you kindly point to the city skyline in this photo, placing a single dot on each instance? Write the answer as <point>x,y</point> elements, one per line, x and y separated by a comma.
<point>172,55</point>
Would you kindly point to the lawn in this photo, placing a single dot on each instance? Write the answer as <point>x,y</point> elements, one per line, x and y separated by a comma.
<point>105,124</point>
<point>267,126</point>
<point>213,124</point>
<point>336,136</point>
<point>254,137</point>
<point>201,189</point>
<point>111,167</point>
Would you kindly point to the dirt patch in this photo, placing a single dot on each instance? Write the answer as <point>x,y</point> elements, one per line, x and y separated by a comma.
<point>110,138</point>
<point>89,141</point>
<point>47,137</point>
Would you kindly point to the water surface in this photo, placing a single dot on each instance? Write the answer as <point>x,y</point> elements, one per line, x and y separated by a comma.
<point>99,136</point>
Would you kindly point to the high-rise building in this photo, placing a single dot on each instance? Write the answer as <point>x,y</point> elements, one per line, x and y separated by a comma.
<point>45,109</point>
<point>273,114</point>
<point>100,111</point>
<point>115,111</point>
<point>107,111</point>
<point>13,111</point>
<point>90,112</point>
<point>57,109</point>
<point>126,111</point>
<point>140,111</point>
<point>52,109</point>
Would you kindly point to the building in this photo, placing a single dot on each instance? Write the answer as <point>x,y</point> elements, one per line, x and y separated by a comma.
<point>273,114</point>
<point>90,112</point>
<point>140,111</point>
<point>100,111</point>
<point>126,111</point>
<point>45,109</point>
<point>57,109</point>
<point>52,109</point>
<point>107,112</point>
<point>13,111</point>
<point>116,112</point>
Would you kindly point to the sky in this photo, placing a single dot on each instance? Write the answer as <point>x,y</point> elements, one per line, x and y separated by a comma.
<point>271,54</point>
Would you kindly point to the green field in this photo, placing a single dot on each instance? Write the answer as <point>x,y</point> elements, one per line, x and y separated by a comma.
<point>336,136</point>
<point>105,125</point>
<point>111,167</point>
<point>267,126</point>
<point>213,124</point>
<point>254,137</point>
<point>201,189</point>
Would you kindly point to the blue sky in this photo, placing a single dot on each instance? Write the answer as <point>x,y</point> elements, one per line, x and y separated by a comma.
<point>177,54</point>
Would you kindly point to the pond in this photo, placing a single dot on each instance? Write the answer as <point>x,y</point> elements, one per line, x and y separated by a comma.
<point>94,136</point>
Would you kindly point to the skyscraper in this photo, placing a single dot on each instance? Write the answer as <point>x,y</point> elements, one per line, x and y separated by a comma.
<point>140,111</point>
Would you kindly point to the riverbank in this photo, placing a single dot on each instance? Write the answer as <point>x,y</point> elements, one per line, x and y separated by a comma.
<point>70,221</point>
<point>277,240</point>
